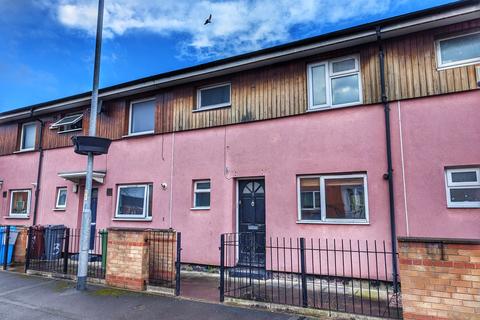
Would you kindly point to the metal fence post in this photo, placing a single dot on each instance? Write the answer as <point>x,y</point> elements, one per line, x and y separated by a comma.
<point>222,268</point>
<point>178,263</point>
<point>65,250</point>
<point>6,249</point>
<point>29,248</point>
<point>303,271</point>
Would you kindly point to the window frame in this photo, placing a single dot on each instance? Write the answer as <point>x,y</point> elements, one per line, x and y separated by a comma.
<point>195,191</point>
<point>22,135</point>
<point>29,198</point>
<point>57,206</point>
<point>146,203</point>
<point>79,118</point>
<point>214,106</point>
<point>323,204</point>
<point>438,51</point>
<point>329,76</point>
<point>449,184</point>
<point>130,115</point>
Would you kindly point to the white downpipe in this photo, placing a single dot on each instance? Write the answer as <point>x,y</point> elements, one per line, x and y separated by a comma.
<point>170,205</point>
<point>403,168</point>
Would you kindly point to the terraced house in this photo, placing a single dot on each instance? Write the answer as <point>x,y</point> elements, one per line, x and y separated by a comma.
<point>366,133</point>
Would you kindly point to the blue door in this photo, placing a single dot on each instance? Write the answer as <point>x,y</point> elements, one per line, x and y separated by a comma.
<point>251,221</point>
<point>93,224</point>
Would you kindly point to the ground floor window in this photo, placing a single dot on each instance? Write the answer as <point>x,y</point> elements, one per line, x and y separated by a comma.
<point>201,194</point>
<point>20,202</point>
<point>134,201</point>
<point>333,198</point>
<point>61,201</point>
<point>463,187</point>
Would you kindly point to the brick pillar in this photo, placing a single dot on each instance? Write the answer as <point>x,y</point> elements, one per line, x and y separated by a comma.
<point>440,278</point>
<point>20,250</point>
<point>127,258</point>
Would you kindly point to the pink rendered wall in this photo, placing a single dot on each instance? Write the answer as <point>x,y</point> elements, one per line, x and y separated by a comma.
<point>18,171</point>
<point>437,132</point>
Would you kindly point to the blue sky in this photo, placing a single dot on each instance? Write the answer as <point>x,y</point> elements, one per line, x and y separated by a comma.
<point>47,46</point>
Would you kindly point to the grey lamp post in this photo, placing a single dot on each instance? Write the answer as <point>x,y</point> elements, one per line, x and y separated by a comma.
<point>87,214</point>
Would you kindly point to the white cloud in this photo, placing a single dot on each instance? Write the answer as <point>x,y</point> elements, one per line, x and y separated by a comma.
<point>238,26</point>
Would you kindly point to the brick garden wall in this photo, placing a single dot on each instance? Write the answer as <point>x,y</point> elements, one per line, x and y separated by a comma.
<point>127,258</point>
<point>20,250</point>
<point>440,278</point>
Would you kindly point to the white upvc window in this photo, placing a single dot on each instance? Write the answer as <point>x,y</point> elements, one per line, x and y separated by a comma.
<point>201,194</point>
<point>214,96</point>
<point>68,123</point>
<point>340,199</point>
<point>463,187</point>
<point>458,50</point>
<point>134,202</point>
<point>61,201</point>
<point>334,83</point>
<point>20,203</point>
<point>28,136</point>
<point>142,117</point>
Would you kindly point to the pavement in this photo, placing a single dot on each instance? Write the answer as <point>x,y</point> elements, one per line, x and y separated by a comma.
<point>36,298</point>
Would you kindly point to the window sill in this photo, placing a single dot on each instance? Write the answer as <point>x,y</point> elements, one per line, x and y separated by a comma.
<point>200,209</point>
<point>25,151</point>
<point>325,108</point>
<point>59,209</point>
<point>67,131</point>
<point>133,219</point>
<point>140,134</point>
<point>333,222</point>
<point>212,108</point>
<point>457,65</point>
<point>18,217</point>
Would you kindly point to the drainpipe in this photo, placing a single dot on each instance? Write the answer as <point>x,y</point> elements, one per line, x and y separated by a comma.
<point>39,171</point>
<point>389,175</point>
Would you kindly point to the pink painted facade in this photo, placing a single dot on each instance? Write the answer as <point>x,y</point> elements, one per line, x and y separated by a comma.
<point>428,134</point>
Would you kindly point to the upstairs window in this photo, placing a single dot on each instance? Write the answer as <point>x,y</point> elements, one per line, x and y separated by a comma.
<point>334,83</point>
<point>69,123</point>
<point>463,187</point>
<point>134,202</point>
<point>201,194</point>
<point>333,199</point>
<point>20,202</point>
<point>458,50</point>
<point>28,136</point>
<point>216,96</point>
<point>142,117</point>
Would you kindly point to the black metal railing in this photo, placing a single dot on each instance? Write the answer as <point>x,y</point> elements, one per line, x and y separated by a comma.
<point>165,248</point>
<point>331,274</point>
<point>55,249</point>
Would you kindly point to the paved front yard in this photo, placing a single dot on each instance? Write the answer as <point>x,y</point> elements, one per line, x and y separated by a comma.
<point>27,297</point>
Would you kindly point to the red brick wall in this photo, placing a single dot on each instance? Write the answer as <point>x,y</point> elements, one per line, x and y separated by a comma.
<point>440,278</point>
<point>127,259</point>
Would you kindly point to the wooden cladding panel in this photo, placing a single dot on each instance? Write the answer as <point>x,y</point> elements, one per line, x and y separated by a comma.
<point>112,123</point>
<point>53,139</point>
<point>281,90</point>
<point>8,138</point>
<point>411,66</point>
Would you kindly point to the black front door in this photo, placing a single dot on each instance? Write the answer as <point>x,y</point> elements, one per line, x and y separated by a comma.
<point>251,221</point>
<point>93,224</point>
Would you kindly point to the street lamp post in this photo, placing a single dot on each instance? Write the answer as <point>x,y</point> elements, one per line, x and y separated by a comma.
<point>87,213</point>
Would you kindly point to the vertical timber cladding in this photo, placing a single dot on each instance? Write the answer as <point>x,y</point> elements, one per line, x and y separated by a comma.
<point>8,138</point>
<point>280,90</point>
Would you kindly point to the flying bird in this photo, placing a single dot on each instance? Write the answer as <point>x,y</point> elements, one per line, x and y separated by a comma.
<point>209,20</point>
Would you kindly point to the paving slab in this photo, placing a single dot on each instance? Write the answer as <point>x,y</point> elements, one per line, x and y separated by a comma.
<point>29,297</point>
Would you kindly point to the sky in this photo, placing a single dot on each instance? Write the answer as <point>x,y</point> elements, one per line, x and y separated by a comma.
<point>47,46</point>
